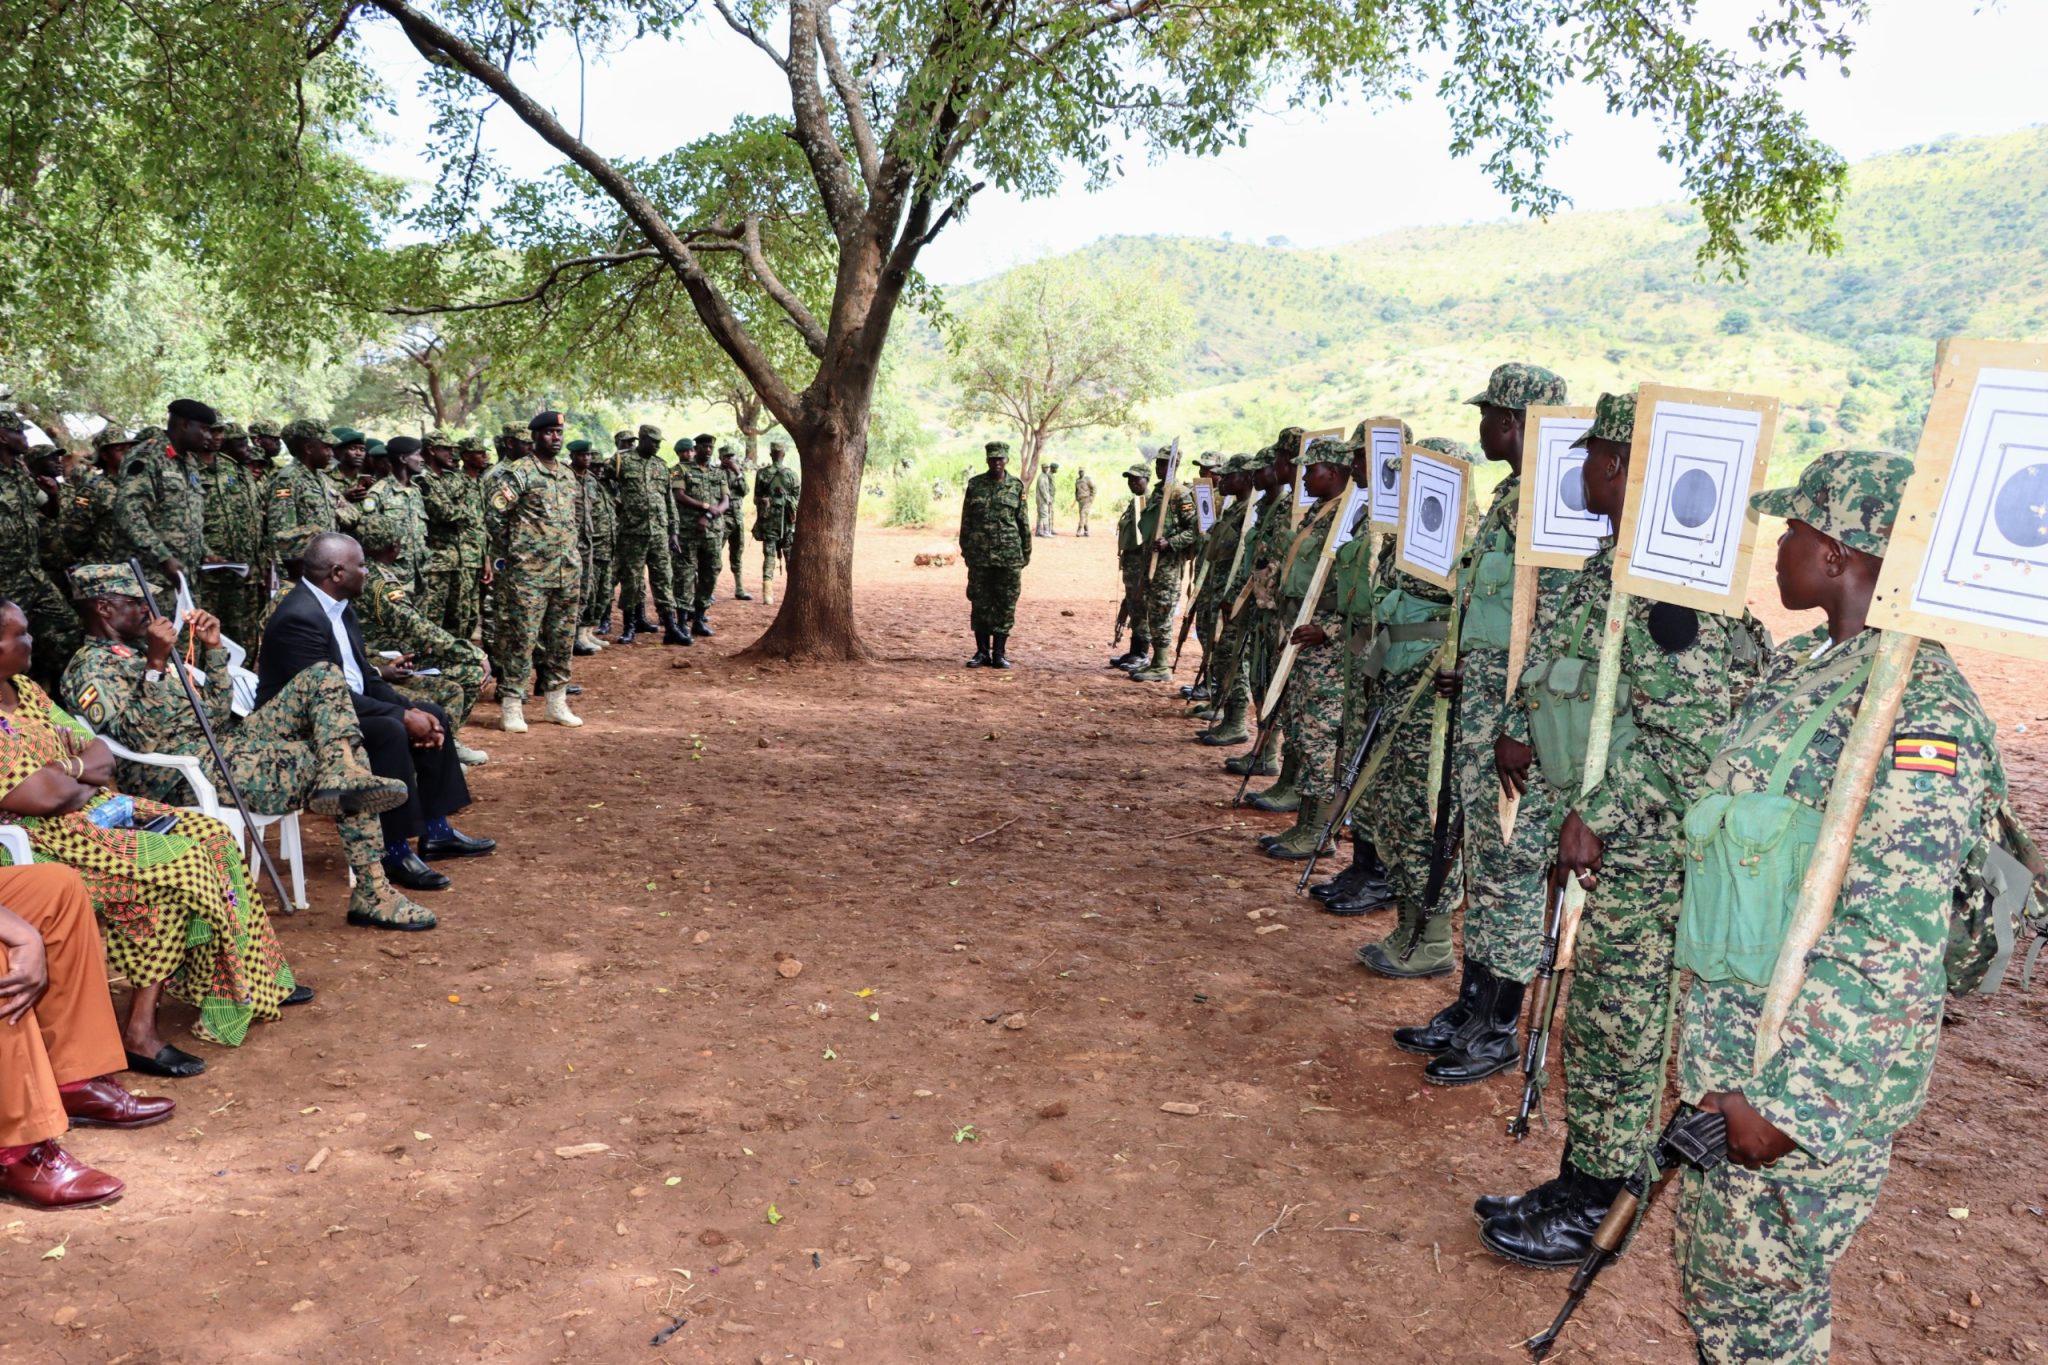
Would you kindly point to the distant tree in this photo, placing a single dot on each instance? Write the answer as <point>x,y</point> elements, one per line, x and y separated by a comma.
<point>1736,321</point>
<point>1058,347</point>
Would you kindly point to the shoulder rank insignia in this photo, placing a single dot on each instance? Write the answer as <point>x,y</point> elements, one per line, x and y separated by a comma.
<point>1924,753</point>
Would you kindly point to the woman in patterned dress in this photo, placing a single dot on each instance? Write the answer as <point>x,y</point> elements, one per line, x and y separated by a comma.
<point>179,909</point>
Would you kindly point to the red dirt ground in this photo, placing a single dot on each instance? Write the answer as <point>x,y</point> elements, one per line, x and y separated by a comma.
<point>948,1187</point>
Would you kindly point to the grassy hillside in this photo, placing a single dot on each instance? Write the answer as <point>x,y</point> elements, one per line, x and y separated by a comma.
<point>1947,238</point>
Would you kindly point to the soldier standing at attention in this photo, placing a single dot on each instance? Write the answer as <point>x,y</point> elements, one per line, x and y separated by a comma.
<point>22,575</point>
<point>299,495</point>
<point>1169,534</point>
<point>1045,492</point>
<point>699,492</point>
<point>735,517</point>
<point>400,494</point>
<point>1130,565</point>
<point>647,537</point>
<point>266,443</point>
<point>604,536</point>
<point>1084,499</point>
<point>348,478</point>
<point>776,490</point>
<point>530,514</point>
<point>90,536</point>
<point>995,542</point>
<point>1684,673</point>
<point>159,507</point>
<point>234,531</point>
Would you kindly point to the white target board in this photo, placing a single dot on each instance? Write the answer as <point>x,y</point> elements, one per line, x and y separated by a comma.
<point>1968,557</point>
<point>1351,522</point>
<point>1687,530</point>
<point>1432,531</point>
<point>1553,529</point>
<point>1383,439</point>
<point>1205,505</point>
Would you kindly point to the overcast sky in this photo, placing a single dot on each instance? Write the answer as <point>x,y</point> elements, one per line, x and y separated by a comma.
<point>1925,68</point>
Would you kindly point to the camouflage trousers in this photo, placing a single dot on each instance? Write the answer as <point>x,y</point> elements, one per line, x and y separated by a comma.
<point>51,619</point>
<point>734,539</point>
<point>1757,1249</point>
<point>1504,879</point>
<point>597,591</point>
<point>535,629</point>
<point>450,598</point>
<point>993,590</point>
<point>1083,509</point>
<point>1160,596</point>
<point>1312,713</point>
<point>695,572</point>
<point>772,553</point>
<point>1233,654</point>
<point>1617,1009</point>
<point>1132,608</point>
<point>1394,811</point>
<point>644,560</point>
<point>237,602</point>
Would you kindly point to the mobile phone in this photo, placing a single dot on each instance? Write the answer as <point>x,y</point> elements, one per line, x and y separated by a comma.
<point>163,824</point>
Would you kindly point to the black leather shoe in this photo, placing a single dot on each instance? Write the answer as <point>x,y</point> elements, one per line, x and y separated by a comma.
<point>581,651</point>
<point>302,994</point>
<point>461,846</point>
<point>999,652</point>
<point>1342,886</point>
<point>1436,1035</point>
<point>627,633</point>
<point>604,627</point>
<point>1486,1044</point>
<point>414,875</point>
<point>1556,1233</point>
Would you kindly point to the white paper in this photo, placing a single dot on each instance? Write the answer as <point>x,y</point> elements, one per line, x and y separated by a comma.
<point>1351,522</point>
<point>1560,523</point>
<point>1695,495</point>
<point>1433,514</point>
<point>1386,474</point>
<point>1205,506</point>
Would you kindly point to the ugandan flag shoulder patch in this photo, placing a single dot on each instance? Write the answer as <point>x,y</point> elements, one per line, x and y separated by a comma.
<point>1924,753</point>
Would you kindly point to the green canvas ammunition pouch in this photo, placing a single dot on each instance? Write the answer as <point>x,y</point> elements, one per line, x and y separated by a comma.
<point>1489,617</point>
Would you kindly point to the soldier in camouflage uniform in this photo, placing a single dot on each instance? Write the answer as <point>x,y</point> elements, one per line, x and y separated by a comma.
<point>1084,500</point>
<point>159,509</point>
<point>1170,537</point>
<point>299,495</point>
<point>1045,493</point>
<point>1684,673</point>
<point>458,569</point>
<point>1810,1136</point>
<point>266,443</point>
<point>995,542</point>
<point>1130,567</point>
<point>776,490</point>
<point>530,515</point>
<point>700,496</point>
<point>24,528</point>
<point>1254,583</point>
<point>1227,685</point>
<point>647,517</point>
<point>735,517</point>
<point>399,493</point>
<point>599,574</point>
<point>234,531</point>
<point>303,750</point>
<point>1213,563</point>
<point>392,623</point>
<point>346,478</point>
<point>89,533</point>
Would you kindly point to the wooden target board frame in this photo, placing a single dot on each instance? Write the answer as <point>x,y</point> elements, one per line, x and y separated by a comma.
<point>1687,532</point>
<point>1967,562</point>
<point>1385,439</point>
<point>1551,522</point>
<point>1205,504</point>
<point>1434,514</point>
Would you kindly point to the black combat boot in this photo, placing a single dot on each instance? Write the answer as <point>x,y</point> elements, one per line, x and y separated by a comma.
<point>1555,1233</point>
<point>627,631</point>
<point>700,626</point>
<point>604,627</point>
<point>1486,1044</point>
<point>1494,1205</point>
<point>674,629</point>
<point>1436,1035</point>
<point>980,659</point>
<point>1347,882</point>
<point>643,625</point>
<point>999,651</point>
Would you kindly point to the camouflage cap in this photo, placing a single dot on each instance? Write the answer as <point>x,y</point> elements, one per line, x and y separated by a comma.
<point>650,432</point>
<point>263,428</point>
<point>1261,458</point>
<point>10,420</point>
<point>513,431</point>
<point>1138,471</point>
<point>103,580</point>
<point>1358,437</point>
<point>1849,495</point>
<point>111,435</point>
<point>436,437</point>
<point>1614,419</point>
<point>1289,439</point>
<point>292,541</point>
<point>1444,445</point>
<point>348,436</point>
<point>995,449</point>
<point>1518,386</point>
<point>472,445</point>
<point>1235,465</point>
<point>232,431</point>
<point>306,429</point>
<point>1329,450</point>
<point>726,450</point>
<point>622,439</point>
<point>148,433</point>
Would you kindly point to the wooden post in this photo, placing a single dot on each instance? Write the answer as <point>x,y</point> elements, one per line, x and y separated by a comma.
<point>1440,714</point>
<point>1598,735</point>
<point>1301,617</point>
<point>1518,654</point>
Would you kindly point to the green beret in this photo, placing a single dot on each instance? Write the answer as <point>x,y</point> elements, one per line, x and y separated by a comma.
<point>306,429</point>
<point>373,448</point>
<point>684,446</point>
<point>261,428</point>
<point>578,445</point>
<point>1847,495</point>
<point>1614,419</point>
<point>347,436</point>
<point>103,580</point>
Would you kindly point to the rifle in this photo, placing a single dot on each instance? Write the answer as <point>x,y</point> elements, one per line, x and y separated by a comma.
<point>1695,1137</point>
<point>1123,614</point>
<point>1344,784</point>
<point>1268,718</point>
<point>284,900</point>
<point>1543,1013</point>
<point>1449,830</point>
<point>1187,619</point>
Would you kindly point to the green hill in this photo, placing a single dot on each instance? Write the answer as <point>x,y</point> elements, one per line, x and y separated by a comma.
<point>1941,239</point>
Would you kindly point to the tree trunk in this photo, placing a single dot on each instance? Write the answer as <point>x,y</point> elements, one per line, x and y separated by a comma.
<point>1034,447</point>
<point>814,623</point>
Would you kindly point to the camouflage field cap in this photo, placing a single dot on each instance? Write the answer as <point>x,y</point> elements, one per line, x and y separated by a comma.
<point>996,450</point>
<point>437,437</point>
<point>1849,495</point>
<point>1444,445</point>
<point>726,450</point>
<point>293,540</point>
<point>1289,439</point>
<point>1233,465</point>
<point>232,431</point>
<point>347,436</point>
<point>103,580</point>
<point>111,435</point>
<point>650,432</point>
<point>622,439</point>
<point>262,428</point>
<point>1614,419</point>
<point>1138,471</point>
<point>513,431</point>
<point>1329,450</point>
<point>1518,386</point>
<point>10,420</point>
<point>1261,458</point>
<point>471,445</point>
<point>774,446</point>
<point>1407,434</point>
<point>306,429</point>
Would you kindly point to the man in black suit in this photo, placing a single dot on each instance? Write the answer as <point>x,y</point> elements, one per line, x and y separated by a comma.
<point>410,741</point>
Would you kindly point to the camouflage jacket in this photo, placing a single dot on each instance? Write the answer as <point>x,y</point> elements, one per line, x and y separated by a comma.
<point>736,491</point>
<point>1084,488</point>
<point>107,685</point>
<point>705,483</point>
<point>1269,544</point>
<point>776,489</point>
<point>1680,701</point>
<point>391,622</point>
<point>1183,528</point>
<point>1860,1042</point>
<point>1220,548</point>
<point>89,533</point>
<point>646,511</point>
<point>409,504</point>
<point>234,511</point>
<point>454,505</point>
<point>995,532</point>
<point>604,517</point>
<point>530,512</point>
<point>296,495</point>
<point>22,524</point>
<point>159,507</point>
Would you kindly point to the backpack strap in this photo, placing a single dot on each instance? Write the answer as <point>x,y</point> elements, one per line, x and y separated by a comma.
<point>1781,771</point>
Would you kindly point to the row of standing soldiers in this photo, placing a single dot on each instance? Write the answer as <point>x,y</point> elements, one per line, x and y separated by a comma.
<point>1714,730</point>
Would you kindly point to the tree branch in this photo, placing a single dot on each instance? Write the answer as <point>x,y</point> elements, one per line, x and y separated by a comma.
<point>751,34</point>
<point>333,35</point>
<point>599,264</point>
<point>849,98</point>
<point>801,317</point>
<point>813,125</point>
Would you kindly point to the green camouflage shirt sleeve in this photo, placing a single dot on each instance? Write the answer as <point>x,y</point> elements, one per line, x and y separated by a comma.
<point>135,508</point>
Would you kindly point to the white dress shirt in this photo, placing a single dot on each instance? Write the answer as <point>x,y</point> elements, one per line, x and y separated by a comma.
<point>334,609</point>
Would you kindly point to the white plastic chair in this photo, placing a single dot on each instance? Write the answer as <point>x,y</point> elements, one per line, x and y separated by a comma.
<point>14,839</point>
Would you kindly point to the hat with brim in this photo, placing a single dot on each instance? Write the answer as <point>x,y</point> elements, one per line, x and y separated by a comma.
<point>1614,419</point>
<point>104,580</point>
<point>1851,496</point>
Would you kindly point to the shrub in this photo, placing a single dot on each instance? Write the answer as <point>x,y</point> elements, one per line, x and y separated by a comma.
<point>910,503</point>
